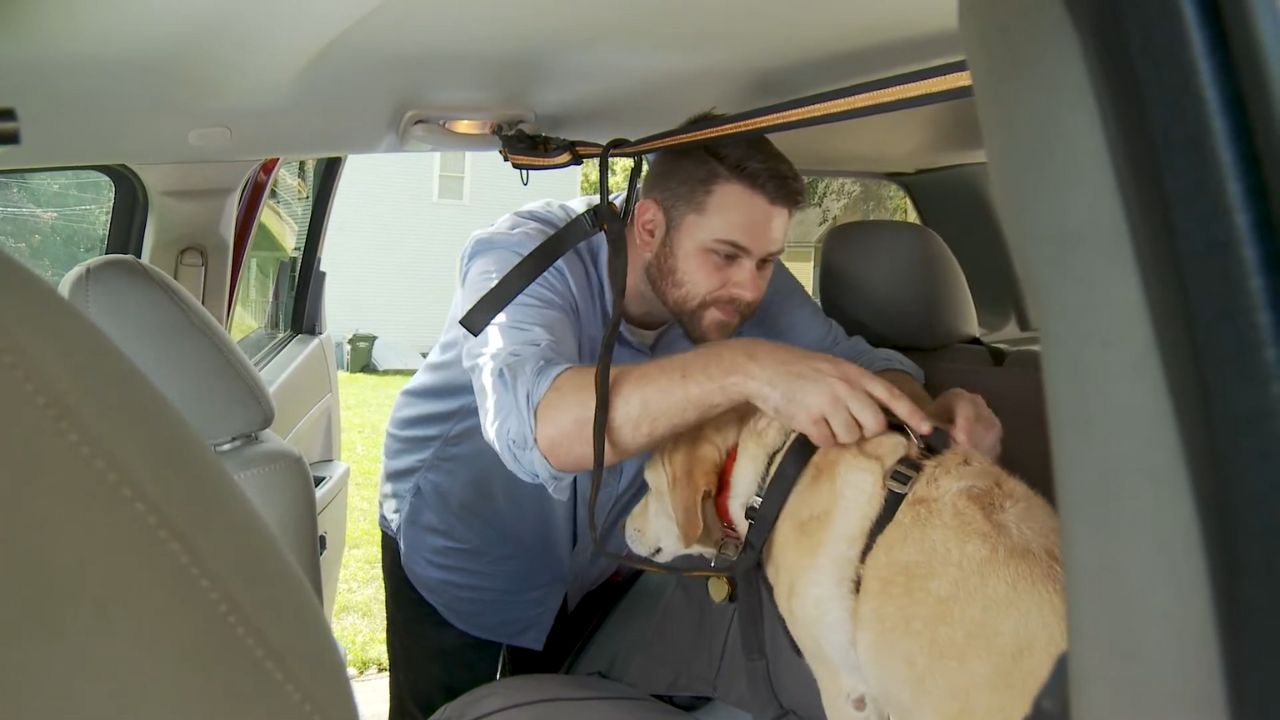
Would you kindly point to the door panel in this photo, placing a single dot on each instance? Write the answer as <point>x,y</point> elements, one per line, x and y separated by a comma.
<point>332,478</point>
<point>303,381</point>
<point>279,235</point>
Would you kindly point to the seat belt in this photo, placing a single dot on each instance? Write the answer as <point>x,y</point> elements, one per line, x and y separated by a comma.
<point>531,266</point>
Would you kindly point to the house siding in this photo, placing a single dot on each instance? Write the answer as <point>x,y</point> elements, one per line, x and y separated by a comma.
<point>391,251</point>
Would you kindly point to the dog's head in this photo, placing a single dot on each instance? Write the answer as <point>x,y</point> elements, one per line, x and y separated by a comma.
<point>677,516</point>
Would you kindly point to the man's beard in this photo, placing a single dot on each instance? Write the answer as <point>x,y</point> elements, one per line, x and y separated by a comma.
<point>696,316</point>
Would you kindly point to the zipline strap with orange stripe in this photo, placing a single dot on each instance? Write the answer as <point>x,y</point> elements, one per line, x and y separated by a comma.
<point>899,92</point>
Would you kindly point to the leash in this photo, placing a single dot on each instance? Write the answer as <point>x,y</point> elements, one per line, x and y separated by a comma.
<point>614,227</point>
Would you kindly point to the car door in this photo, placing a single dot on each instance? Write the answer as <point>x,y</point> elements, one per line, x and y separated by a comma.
<point>275,316</point>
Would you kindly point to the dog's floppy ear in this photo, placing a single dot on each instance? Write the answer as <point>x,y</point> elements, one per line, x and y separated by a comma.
<point>693,469</point>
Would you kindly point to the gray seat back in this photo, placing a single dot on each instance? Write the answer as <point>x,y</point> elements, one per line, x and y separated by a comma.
<point>195,364</point>
<point>556,697</point>
<point>898,285</point>
<point>139,580</point>
<point>667,638</point>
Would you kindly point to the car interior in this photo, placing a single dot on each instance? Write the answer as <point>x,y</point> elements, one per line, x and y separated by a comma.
<point>1093,249</point>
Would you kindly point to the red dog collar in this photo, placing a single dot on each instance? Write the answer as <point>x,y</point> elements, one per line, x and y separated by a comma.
<point>722,494</point>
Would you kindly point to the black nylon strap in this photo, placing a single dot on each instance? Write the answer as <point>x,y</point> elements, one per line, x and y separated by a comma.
<point>936,443</point>
<point>748,566</point>
<point>749,578</point>
<point>615,232</point>
<point>530,268</point>
<point>892,502</point>
<point>751,590</point>
<point>776,493</point>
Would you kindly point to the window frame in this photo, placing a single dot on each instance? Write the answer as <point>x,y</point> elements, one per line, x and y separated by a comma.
<point>1182,111</point>
<point>253,197</point>
<point>466,179</point>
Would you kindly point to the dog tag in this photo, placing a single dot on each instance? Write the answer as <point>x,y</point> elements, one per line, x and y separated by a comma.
<point>720,588</point>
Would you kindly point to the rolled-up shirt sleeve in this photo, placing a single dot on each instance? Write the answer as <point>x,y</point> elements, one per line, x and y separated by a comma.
<point>789,314</point>
<point>517,357</point>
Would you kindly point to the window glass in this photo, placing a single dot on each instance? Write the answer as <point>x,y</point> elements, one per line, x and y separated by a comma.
<point>53,220</point>
<point>269,277</point>
<point>836,200</point>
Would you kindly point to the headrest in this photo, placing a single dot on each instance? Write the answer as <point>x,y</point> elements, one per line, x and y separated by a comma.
<point>175,342</point>
<point>896,284</point>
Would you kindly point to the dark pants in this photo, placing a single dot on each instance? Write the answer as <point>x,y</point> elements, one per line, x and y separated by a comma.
<point>432,662</point>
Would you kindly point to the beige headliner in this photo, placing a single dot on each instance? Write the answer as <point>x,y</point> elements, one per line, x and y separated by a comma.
<point>128,80</point>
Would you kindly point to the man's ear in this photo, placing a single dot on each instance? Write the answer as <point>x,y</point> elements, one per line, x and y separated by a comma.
<point>693,472</point>
<point>650,225</point>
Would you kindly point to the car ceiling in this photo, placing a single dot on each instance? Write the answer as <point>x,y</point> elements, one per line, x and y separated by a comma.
<point>129,80</point>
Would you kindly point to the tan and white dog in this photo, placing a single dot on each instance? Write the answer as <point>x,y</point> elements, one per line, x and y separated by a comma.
<point>960,612</point>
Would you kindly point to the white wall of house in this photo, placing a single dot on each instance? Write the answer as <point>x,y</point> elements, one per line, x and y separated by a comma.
<point>396,229</point>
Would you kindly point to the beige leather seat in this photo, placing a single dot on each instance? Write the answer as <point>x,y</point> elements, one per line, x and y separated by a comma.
<point>898,285</point>
<point>194,363</point>
<point>139,580</point>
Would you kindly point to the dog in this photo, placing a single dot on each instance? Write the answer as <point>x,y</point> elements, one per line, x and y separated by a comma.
<point>959,609</point>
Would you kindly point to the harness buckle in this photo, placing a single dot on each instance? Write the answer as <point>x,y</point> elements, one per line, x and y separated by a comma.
<point>729,549</point>
<point>903,476</point>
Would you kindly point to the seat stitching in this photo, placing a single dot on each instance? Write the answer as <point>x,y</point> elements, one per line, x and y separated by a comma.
<point>265,468</point>
<point>137,500</point>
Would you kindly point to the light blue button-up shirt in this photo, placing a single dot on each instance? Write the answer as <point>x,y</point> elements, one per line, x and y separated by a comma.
<point>490,533</point>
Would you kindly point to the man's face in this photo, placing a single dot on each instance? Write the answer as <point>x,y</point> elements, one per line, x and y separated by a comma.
<point>711,270</point>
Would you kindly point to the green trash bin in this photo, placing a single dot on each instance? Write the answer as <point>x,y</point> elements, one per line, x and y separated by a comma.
<point>360,354</point>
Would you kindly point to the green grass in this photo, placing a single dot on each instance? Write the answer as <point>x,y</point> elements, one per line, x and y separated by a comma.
<point>359,615</point>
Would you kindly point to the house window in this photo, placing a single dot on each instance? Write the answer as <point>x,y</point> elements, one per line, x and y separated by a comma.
<point>451,177</point>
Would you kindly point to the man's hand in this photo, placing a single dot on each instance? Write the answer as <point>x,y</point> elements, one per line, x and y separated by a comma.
<point>969,420</point>
<point>832,401</point>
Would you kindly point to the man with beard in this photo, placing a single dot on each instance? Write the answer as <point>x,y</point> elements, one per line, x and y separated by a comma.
<point>486,548</point>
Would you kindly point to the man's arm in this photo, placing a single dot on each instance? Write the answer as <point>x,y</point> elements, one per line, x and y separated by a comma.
<point>908,385</point>
<point>820,395</point>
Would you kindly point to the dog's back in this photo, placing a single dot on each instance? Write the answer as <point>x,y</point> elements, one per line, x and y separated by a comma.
<point>961,612</point>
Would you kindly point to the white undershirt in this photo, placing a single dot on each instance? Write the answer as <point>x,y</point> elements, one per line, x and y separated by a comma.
<point>642,337</point>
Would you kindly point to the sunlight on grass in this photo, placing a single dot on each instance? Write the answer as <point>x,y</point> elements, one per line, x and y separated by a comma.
<point>359,615</point>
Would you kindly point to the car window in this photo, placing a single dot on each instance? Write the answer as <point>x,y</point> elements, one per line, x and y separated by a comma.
<point>53,220</point>
<point>836,200</point>
<point>268,281</point>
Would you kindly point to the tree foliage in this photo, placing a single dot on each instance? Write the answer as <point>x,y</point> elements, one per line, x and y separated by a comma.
<point>54,220</point>
<point>831,199</point>
<point>619,175</point>
<point>846,199</point>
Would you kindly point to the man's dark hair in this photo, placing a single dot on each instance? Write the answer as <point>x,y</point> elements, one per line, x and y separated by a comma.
<point>682,179</point>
